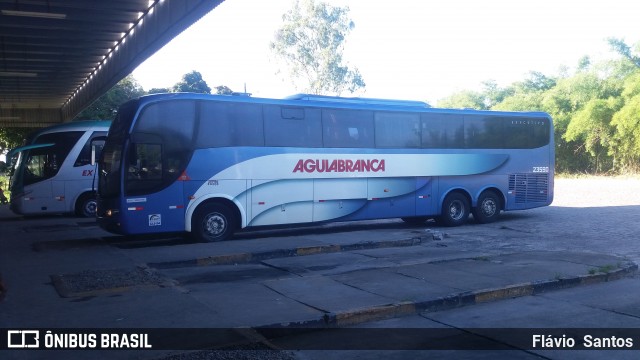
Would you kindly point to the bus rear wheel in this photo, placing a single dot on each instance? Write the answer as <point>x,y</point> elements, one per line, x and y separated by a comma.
<point>455,210</point>
<point>213,222</point>
<point>86,205</point>
<point>488,208</point>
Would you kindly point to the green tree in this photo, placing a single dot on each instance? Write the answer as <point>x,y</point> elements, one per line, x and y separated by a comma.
<point>158,90</point>
<point>625,147</point>
<point>106,106</point>
<point>311,43</point>
<point>223,90</point>
<point>591,126</point>
<point>192,82</point>
<point>465,99</point>
<point>579,104</point>
<point>621,47</point>
<point>12,138</point>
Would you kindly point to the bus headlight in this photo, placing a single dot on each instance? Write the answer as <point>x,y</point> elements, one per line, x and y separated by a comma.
<point>110,212</point>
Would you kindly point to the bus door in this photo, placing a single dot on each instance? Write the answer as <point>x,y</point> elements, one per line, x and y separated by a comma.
<point>154,196</point>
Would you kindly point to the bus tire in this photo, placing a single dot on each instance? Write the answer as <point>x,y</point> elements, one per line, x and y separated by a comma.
<point>213,222</point>
<point>488,208</point>
<point>86,205</point>
<point>455,210</point>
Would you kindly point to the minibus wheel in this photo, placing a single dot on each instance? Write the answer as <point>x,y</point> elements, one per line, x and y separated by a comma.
<point>86,205</point>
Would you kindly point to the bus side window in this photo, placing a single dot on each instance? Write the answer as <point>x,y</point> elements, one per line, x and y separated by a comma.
<point>397,130</point>
<point>229,124</point>
<point>442,131</point>
<point>482,132</point>
<point>290,126</point>
<point>347,128</point>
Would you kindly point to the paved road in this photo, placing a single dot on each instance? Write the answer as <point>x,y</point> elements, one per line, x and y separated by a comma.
<point>65,272</point>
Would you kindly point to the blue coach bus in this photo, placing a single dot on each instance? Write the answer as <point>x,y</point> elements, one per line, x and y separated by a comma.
<point>212,164</point>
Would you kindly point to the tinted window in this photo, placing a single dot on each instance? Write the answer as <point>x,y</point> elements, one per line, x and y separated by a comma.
<point>175,119</point>
<point>526,133</point>
<point>442,131</point>
<point>44,163</point>
<point>161,146</point>
<point>347,128</point>
<point>229,124</point>
<point>145,168</point>
<point>400,130</point>
<point>482,132</point>
<point>292,126</point>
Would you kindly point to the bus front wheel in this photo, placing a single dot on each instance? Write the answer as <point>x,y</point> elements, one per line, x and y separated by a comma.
<point>86,205</point>
<point>213,222</point>
<point>455,210</point>
<point>488,209</point>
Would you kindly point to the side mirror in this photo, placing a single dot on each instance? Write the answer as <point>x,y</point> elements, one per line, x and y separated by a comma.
<point>97,143</point>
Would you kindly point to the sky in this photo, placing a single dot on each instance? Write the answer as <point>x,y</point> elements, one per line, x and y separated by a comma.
<point>405,49</point>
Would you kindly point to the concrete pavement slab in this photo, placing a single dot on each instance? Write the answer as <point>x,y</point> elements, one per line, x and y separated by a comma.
<point>446,275</point>
<point>326,264</point>
<point>599,296</point>
<point>516,273</point>
<point>531,312</point>
<point>326,294</point>
<point>586,258</point>
<point>391,284</point>
<point>251,304</point>
<point>429,251</point>
<point>224,274</point>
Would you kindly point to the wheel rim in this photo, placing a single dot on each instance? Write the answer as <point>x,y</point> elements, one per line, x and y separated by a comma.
<point>215,224</point>
<point>456,210</point>
<point>90,208</point>
<point>489,207</point>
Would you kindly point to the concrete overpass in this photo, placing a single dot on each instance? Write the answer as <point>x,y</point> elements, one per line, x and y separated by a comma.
<point>58,56</point>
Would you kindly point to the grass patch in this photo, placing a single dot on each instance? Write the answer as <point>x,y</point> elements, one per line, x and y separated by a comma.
<point>604,269</point>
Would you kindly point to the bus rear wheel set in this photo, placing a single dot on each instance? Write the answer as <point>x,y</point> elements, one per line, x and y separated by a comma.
<point>456,208</point>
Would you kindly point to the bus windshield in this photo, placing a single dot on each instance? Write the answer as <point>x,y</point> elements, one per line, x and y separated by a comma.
<point>111,157</point>
<point>158,149</point>
<point>37,163</point>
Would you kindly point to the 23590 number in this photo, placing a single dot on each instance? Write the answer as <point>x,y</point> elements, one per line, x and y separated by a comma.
<point>540,169</point>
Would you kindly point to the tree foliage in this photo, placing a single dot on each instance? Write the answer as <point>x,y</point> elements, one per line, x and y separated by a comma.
<point>192,82</point>
<point>619,46</point>
<point>311,44</point>
<point>595,111</point>
<point>12,137</point>
<point>107,105</point>
<point>223,90</point>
